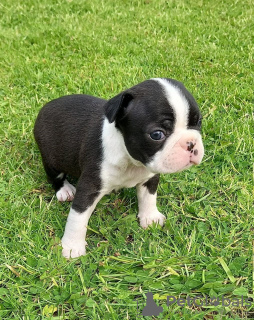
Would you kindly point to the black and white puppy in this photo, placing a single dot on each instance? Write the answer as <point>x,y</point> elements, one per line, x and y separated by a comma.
<point>127,141</point>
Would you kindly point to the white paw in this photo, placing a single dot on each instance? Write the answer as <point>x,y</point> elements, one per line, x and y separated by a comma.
<point>148,219</point>
<point>71,250</point>
<point>66,193</point>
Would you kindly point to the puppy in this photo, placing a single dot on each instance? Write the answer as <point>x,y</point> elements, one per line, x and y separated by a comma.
<point>127,141</point>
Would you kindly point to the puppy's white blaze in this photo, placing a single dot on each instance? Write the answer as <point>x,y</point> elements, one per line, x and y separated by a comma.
<point>177,101</point>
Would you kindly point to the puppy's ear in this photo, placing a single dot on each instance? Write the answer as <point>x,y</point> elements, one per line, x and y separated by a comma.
<point>114,108</point>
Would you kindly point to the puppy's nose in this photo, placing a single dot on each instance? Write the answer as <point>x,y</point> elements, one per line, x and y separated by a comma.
<point>188,144</point>
<point>192,147</point>
<point>191,143</point>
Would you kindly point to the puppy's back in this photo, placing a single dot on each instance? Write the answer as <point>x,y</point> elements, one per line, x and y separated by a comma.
<point>64,127</point>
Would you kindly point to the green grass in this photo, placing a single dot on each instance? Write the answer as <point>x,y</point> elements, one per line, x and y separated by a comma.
<point>53,48</point>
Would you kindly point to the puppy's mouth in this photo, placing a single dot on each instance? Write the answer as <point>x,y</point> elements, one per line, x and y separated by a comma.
<point>187,166</point>
<point>175,162</point>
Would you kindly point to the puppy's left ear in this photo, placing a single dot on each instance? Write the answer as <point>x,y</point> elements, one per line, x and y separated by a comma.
<point>114,108</point>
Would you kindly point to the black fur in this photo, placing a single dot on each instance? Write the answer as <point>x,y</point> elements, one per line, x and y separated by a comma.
<point>64,131</point>
<point>152,184</point>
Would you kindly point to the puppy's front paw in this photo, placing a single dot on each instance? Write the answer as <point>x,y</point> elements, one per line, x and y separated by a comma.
<point>148,219</point>
<point>66,193</point>
<point>71,250</point>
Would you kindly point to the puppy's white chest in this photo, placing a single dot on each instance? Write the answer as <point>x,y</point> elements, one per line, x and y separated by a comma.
<point>123,176</point>
<point>118,169</point>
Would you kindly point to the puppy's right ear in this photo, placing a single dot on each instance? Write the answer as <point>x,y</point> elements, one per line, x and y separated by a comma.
<point>114,108</point>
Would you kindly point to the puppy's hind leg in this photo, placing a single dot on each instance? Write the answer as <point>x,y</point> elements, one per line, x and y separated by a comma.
<point>67,192</point>
<point>64,190</point>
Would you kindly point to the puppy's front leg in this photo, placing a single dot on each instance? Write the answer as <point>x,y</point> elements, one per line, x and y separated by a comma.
<point>73,241</point>
<point>147,195</point>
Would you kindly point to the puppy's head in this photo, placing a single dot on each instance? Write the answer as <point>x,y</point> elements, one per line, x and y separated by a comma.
<point>160,122</point>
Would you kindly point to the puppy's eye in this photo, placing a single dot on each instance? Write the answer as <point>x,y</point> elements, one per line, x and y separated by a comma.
<point>157,135</point>
<point>199,122</point>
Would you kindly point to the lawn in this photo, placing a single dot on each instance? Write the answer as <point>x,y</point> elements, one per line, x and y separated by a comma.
<point>53,48</point>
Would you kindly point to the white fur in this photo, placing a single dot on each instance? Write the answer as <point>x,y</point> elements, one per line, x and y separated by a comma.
<point>66,193</point>
<point>119,169</point>
<point>167,160</point>
<point>60,176</point>
<point>73,241</point>
<point>148,212</point>
<point>177,101</point>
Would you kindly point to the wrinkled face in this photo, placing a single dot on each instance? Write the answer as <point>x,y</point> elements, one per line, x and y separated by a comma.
<point>161,126</point>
